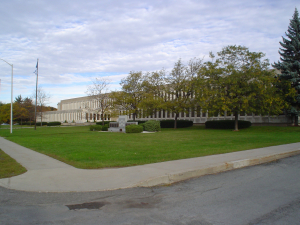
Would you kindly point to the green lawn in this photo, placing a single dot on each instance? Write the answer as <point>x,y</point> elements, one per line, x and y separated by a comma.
<point>9,167</point>
<point>82,148</point>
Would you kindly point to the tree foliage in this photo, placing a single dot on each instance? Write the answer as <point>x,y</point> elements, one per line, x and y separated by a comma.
<point>239,81</point>
<point>289,64</point>
<point>131,95</point>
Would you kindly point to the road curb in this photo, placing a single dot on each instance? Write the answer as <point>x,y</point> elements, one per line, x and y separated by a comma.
<point>237,164</point>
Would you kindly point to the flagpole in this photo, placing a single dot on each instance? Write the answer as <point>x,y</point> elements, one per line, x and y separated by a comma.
<point>37,74</point>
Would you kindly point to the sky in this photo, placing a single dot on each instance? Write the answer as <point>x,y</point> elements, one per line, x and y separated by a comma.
<point>78,41</point>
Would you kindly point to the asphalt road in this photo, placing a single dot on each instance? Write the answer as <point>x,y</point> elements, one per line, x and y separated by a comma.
<point>264,194</point>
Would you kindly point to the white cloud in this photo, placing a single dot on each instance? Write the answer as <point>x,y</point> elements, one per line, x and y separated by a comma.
<point>77,41</point>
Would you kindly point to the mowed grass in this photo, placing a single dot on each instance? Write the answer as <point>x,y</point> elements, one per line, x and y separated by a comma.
<point>82,148</point>
<point>9,167</point>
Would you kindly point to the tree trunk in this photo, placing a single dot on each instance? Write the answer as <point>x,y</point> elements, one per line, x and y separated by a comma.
<point>102,118</point>
<point>175,122</point>
<point>133,115</point>
<point>236,121</point>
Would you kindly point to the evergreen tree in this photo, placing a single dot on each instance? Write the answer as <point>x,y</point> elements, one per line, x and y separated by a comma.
<point>289,64</point>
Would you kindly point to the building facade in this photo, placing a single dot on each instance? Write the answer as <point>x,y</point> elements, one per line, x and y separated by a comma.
<point>84,109</point>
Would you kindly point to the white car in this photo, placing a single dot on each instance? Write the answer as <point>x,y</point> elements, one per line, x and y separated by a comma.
<point>4,124</point>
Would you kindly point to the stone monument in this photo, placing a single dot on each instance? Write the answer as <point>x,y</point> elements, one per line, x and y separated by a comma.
<point>120,125</point>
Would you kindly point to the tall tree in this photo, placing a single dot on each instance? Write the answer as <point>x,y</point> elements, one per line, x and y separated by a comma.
<point>240,81</point>
<point>131,94</point>
<point>19,99</point>
<point>153,92</point>
<point>42,98</point>
<point>180,87</point>
<point>289,64</point>
<point>29,106</point>
<point>98,93</point>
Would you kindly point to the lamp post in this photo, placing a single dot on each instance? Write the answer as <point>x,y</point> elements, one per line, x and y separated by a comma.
<point>11,105</point>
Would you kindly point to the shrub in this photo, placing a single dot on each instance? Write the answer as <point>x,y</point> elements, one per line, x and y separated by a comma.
<point>39,123</point>
<point>95,128</point>
<point>105,127</point>
<point>180,123</point>
<point>134,128</point>
<point>152,125</point>
<point>105,122</point>
<point>53,124</point>
<point>226,124</point>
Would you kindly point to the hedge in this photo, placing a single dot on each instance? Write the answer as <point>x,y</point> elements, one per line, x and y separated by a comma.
<point>95,128</point>
<point>53,124</point>
<point>180,123</point>
<point>133,128</point>
<point>152,125</point>
<point>39,123</point>
<point>226,124</point>
<point>105,122</point>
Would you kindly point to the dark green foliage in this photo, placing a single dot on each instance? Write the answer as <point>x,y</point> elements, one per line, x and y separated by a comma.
<point>289,64</point>
<point>180,123</point>
<point>152,125</point>
<point>95,128</point>
<point>43,123</point>
<point>54,124</point>
<point>28,123</point>
<point>134,128</point>
<point>105,127</point>
<point>105,122</point>
<point>226,124</point>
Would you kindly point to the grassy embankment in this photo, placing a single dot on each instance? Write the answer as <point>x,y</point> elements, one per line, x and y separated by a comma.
<point>9,167</point>
<point>82,148</point>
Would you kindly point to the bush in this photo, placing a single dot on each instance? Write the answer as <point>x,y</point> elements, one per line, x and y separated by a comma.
<point>134,128</point>
<point>226,124</point>
<point>54,124</point>
<point>105,122</point>
<point>152,125</point>
<point>105,127</point>
<point>39,123</point>
<point>95,128</point>
<point>180,123</point>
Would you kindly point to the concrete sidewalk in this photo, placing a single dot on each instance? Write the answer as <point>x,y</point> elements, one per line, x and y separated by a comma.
<point>46,174</point>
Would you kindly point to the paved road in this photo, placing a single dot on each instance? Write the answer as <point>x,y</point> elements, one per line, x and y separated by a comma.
<point>264,194</point>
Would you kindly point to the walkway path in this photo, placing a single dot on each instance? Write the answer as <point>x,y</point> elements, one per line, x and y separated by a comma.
<point>46,174</point>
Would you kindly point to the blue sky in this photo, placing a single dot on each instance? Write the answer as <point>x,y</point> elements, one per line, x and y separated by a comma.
<point>77,41</point>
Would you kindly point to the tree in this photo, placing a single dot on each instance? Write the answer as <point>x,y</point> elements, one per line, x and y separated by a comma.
<point>289,64</point>
<point>240,81</point>
<point>180,87</point>
<point>19,99</point>
<point>153,87</point>
<point>28,105</point>
<point>131,94</point>
<point>98,93</point>
<point>5,113</point>
<point>20,112</point>
<point>42,98</point>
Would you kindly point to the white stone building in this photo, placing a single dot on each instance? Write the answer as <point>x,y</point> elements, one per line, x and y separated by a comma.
<point>80,110</point>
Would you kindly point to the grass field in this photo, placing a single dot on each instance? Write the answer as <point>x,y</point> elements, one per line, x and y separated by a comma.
<point>82,148</point>
<point>9,167</point>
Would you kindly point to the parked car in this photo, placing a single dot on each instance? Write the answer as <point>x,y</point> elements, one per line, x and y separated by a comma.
<point>4,124</point>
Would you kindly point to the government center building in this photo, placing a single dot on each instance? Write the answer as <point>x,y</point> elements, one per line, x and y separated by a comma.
<point>84,109</point>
